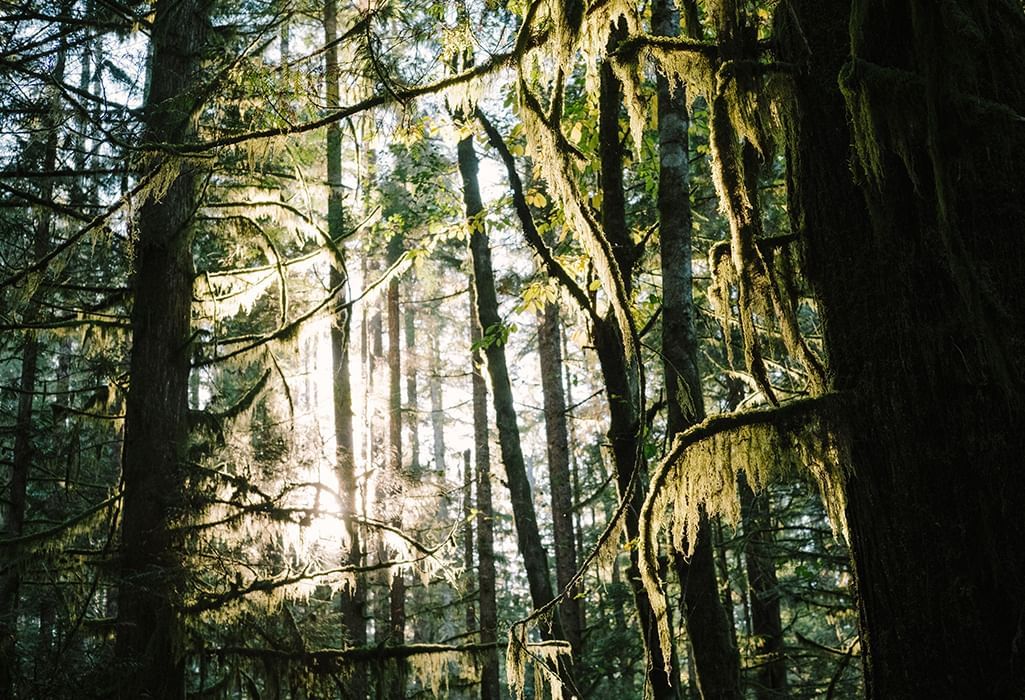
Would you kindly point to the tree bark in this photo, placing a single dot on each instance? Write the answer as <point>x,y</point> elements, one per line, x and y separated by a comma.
<point>620,387</point>
<point>926,347</point>
<point>397,593</point>
<point>535,559</point>
<point>149,645</point>
<point>490,688</point>
<point>715,656</point>
<point>352,600</point>
<point>549,339</point>
<point>766,623</point>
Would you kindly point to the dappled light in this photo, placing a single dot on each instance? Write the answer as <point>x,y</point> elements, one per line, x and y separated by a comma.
<point>585,349</point>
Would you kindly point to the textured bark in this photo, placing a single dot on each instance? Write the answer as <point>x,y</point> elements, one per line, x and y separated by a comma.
<point>149,645</point>
<point>715,656</point>
<point>926,347</point>
<point>397,592</point>
<point>467,532</point>
<point>490,686</point>
<point>550,353</point>
<point>620,387</point>
<point>352,600</point>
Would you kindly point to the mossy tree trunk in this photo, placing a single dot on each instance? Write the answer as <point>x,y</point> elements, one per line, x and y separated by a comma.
<point>149,648</point>
<point>918,266</point>
<point>715,656</point>
<point>353,599</point>
<point>618,374</point>
<point>490,687</point>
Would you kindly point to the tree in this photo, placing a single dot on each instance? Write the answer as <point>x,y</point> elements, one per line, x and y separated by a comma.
<point>353,598</point>
<point>715,655</point>
<point>486,578</point>
<point>156,425</point>
<point>921,347</point>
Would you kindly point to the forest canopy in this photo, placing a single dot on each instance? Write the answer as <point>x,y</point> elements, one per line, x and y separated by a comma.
<point>505,349</point>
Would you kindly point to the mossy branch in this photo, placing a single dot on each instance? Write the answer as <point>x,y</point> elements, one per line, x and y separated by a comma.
<point>530,232</point>
<point>699,474</point>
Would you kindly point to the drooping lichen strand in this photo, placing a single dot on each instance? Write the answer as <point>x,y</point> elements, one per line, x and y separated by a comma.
<point>516,660</point>
<point>723,277</point>
<point>433,670</point>
<point>545,657</point>
<point>558,163</point>
<point>628,74</point>
<point>701,471</point>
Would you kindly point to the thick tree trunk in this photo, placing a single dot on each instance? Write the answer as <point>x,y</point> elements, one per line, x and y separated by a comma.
<point>149,644</point>
<point>352,600</point>
<point>490,688</point>
<point>919,270</point>
<point>560,483</point>
<point>715,656</point>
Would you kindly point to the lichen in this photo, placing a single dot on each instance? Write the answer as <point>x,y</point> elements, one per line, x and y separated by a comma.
<point>700,475</point>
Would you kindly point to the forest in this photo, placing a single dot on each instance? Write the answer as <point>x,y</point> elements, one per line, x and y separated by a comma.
<point>506,349</point>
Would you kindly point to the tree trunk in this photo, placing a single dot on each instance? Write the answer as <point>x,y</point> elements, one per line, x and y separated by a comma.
<point>411,410</point>
<point>535,559</point>
<point>149,648</point>
<point>490,688</point>
<point>352,600</point>
<point>715,656</point>
<point>437,405</point>
<point>397,594</point>
<point>766,624</point>
<point>550,354</point>
<point>926,347</point>
<point>620,389</point>
<point>471,610</point>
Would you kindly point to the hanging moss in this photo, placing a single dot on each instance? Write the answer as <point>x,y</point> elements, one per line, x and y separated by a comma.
<point>558,162</point>
<point>545,657</point>
<point>700,474</point>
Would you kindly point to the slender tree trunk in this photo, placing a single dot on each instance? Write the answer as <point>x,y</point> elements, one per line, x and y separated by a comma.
<point>397,595</point>
<point>486,578</point>
<point>412,411</point>
<point>352,600</point>
<point>535,559</point>
<point>550,354</point>
<point>715,656</point>
<point>926,348</point>
<point>766,623</point>
<point>149,644</point>
<point>620,387</point>
<point>437,406</point>
<point>471,610</point>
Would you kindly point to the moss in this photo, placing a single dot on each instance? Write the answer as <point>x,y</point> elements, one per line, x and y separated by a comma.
<point>700,475</point>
